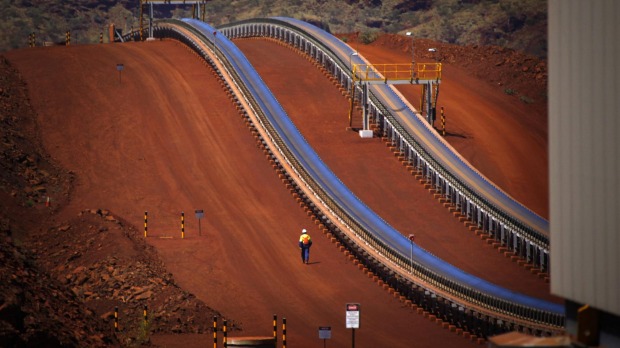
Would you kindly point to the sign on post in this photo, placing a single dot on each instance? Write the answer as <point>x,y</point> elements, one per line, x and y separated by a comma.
<point>199,215</point>
<point>325,332</point>
<point>353,316</point>
<point>120,68</point>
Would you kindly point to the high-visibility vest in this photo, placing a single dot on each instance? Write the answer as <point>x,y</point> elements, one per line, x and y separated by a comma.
<point>305,239</point>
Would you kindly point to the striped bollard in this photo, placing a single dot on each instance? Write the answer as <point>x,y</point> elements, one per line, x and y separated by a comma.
<point>225,332</point>
<point>182,225</point>
<point>116,319</point>
<point>275,328</point>
<point>146,220</point>
<point>214,332</point>
<point>283,332</point>
<point>443,123</point>
<point>146,318</point>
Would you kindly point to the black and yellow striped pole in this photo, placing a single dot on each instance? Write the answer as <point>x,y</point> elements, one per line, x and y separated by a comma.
<point>275,328</point>
<point>67,38</point>
<point>146,317</point>
<point>182,225</point>
<point>116,319</point>
<point>214,332</point>
<point>225,333</point>
<point>443,123</point>
<point>283,332</point>
<point>146,220</point>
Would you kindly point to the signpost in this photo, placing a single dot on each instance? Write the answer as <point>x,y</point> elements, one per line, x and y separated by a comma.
<point>199,215</point>
<point>120,68</point>
<point>325,333</point>
<point>353,320</point>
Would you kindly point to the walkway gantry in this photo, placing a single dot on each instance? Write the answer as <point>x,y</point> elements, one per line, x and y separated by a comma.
<point>198,11</point>
<point>426,74</point>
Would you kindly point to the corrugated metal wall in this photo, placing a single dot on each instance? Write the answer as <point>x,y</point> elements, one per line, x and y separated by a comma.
<point>584,138</point>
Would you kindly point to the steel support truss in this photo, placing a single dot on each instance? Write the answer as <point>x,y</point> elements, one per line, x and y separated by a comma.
<point>426,74</point>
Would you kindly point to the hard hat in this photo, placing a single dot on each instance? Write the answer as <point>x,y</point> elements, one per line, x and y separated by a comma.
<point>303,231</point>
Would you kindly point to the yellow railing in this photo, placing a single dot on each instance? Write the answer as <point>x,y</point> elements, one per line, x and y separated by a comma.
<point>397,72</point>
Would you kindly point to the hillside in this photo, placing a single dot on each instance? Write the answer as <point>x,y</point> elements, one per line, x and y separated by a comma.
<point>63,278</point>
<point>515,24</point>
<point>128,156</point>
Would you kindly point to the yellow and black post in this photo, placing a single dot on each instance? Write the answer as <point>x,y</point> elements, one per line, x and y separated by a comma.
<point>225,333</point>
<point>67,38</point>
<point>146,318</point>
<point>182,225</point>
<point>214,332</point>
<point>275,328</point>
<point>443,123</point>
<point>146,220</point>
<point>283,332</point>
<point>116,319</point>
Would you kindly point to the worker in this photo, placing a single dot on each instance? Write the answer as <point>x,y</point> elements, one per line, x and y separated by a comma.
<point>305,242</point>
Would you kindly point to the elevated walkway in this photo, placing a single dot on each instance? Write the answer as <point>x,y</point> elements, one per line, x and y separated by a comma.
<point>426,74</point>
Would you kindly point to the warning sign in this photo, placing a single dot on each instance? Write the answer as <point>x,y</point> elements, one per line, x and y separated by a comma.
<point>353,316</point>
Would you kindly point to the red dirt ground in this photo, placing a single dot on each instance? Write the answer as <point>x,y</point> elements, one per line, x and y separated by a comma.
<point>164,137</point>
<point>371,171</point>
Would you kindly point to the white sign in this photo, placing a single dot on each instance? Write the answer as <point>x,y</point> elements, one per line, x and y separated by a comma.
<point>353,316</point>
<point>325,332</point>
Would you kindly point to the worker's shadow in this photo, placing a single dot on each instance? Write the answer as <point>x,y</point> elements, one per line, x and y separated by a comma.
<point>313,262</point>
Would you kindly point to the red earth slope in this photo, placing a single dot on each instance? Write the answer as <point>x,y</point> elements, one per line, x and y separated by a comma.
<point>369,169</point>
<point>163,137</point>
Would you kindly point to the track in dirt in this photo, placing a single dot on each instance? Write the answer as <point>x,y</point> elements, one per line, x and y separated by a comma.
<point>166,138</point>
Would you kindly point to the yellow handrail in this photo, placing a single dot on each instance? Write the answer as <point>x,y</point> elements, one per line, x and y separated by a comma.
<point>396,72</point>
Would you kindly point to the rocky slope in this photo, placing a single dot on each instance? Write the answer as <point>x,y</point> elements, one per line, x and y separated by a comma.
<point>63,281</point>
